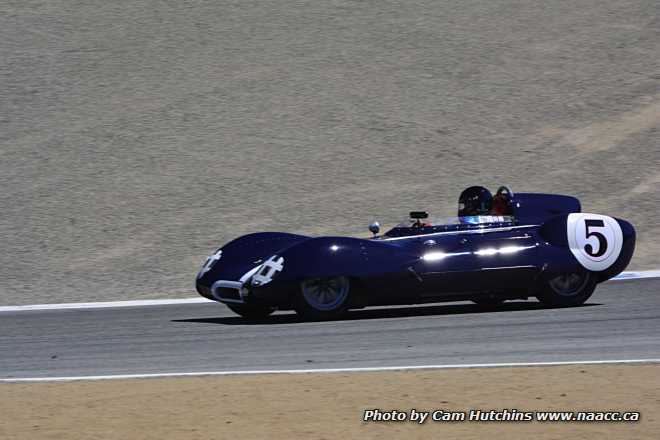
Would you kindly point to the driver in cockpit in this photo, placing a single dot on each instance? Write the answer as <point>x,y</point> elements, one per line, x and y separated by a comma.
<point>476,205</point>
<point>475,201</point>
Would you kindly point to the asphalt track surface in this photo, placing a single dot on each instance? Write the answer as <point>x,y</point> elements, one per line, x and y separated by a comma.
<point>621,321</point>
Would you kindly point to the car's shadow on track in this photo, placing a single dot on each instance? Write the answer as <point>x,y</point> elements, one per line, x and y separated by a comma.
<point>381,313</point>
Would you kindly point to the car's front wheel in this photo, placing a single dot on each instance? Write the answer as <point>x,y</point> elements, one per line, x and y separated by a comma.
<point>322,298</point>
<point>566,290</point>
<point>250,311</point>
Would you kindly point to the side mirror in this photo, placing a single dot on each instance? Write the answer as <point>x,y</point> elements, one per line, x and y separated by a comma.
<point>374,228</point>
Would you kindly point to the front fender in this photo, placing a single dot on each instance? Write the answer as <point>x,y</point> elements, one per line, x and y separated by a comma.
<point>245,253</point>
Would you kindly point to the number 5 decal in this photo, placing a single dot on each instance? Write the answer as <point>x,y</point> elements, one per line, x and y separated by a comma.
<point>602,241</point>
<point>595,240</point>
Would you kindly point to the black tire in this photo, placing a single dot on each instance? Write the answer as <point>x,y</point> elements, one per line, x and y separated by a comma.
<point>322,298</point>
<point>250,311</point>
<point>567,290</point>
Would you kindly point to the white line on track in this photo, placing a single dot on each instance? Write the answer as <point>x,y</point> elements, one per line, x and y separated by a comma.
<point>105,305</point>
<point>163,302</point>
<point>326,370</point>
<point>637,275</point>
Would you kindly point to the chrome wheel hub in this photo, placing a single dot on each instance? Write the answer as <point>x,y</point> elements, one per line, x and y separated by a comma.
<point>569,284</point>
<point>325,294</point>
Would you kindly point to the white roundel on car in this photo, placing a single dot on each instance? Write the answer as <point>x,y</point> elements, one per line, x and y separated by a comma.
<point>267,271</point>
<point>210,261</point>
<point>595,240</point>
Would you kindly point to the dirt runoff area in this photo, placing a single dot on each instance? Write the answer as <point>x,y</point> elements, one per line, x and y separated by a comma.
<point>137,139</point>
<point>325,406</point>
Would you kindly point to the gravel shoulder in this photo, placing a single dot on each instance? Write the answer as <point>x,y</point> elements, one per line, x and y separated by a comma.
<point>331,405</point>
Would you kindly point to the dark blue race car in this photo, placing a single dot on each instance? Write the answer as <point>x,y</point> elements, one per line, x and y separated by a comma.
<point>501,247</point>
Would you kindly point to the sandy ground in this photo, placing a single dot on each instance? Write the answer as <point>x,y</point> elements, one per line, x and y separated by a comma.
<point>325,406</point>
<point>137,136</point>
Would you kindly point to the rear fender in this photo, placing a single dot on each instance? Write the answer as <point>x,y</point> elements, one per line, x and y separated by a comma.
<point>599,243</point>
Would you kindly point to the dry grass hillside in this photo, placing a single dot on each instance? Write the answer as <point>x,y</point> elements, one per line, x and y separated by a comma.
<point>136,136</point>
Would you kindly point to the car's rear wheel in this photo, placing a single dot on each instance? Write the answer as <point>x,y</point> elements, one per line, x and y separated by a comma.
<point>566,290</point>
<point>322,298</point>
<point>250,311</point>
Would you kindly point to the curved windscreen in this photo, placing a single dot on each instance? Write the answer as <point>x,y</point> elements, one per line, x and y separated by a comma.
<point>467,220</point>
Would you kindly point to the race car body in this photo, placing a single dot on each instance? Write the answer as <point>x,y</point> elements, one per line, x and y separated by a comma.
<point>510,246</point>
